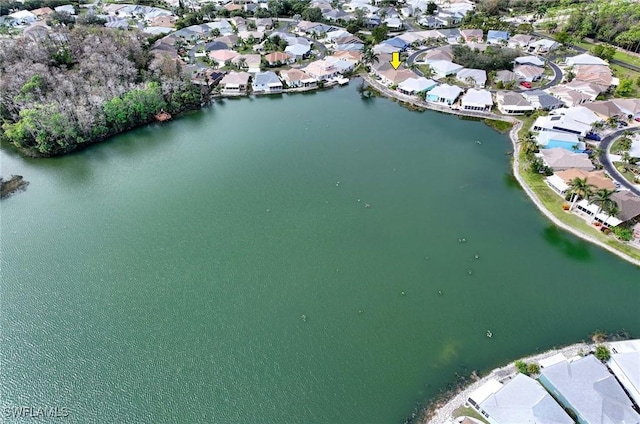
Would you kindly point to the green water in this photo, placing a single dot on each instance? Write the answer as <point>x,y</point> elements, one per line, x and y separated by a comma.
<point>161,277</point>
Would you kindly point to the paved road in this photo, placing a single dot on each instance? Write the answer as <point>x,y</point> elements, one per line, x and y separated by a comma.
<point>555,81</point>
<point>605,144</point>
<point>583,50</point>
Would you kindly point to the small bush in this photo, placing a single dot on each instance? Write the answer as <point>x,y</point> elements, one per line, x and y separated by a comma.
<point>602,353</point>
<point>521,366</point>
<point>533,369</point>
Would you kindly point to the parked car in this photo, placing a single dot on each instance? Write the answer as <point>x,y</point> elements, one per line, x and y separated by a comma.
<point>622,124</point>
<point>637,119</point>
<point>526,84</point>
<point>593,136</point>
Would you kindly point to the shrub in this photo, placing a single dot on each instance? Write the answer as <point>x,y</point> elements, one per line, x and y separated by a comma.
<point>602,353</point>
<point>533,369</point>
<point>624,234</point>
<point>521,366</point>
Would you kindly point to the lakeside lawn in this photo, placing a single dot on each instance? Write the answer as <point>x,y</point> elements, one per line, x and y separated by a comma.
<point>554,203</point>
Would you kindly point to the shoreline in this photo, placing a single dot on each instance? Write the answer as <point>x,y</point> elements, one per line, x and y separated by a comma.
<point>515,168</point>
<point>444,414</point>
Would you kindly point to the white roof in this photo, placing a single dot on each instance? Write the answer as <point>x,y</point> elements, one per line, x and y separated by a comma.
<point>446,91</point>
<point>477,97</point>
<point>483,392</point>
<point>585,59</point>
<point>558,357</point>
<point>625,346</point>
<point>22,14</point>
<point>558,183</point>
<point>610,220</point>
<point>478,75</point>
<point>523,400</point>
<point>445,66</point>
<point>584,203</point>
<point>417,84</point>
<point>534,60</point>
<point>579,114</point>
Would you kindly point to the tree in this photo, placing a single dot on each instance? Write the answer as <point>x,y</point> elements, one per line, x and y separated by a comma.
<point>625,88</point>
<point>380,33</point>
<point>533,369</point>
<point>431,8</point>
<point>602,353</point>
<point>579,188</point>
<point>562,37</point>
<point>313,14</point>
<point>521,366</point>
<point>602,198</point>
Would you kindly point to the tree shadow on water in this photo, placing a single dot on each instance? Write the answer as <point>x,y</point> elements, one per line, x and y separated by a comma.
<point>511,182</point>
<point>567,244</point>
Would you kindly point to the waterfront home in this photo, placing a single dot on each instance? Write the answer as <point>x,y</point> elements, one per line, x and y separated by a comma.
<point>277,58</point>
<point>520,41</point>
<point>560,159</point>
<point>577,113</point>
<point>543,46</point>
<point>542,100</point>
<point>472,35</point>
<point>512,103</point>
<point>561,123</point>
<point>636,240</point>
<point>520,400</point>
<point>266,83</point>
<point>564,140</point>
<point>476,100</point>
<point>235,83</point>
<point>497,37</point>
<point>445,93</point>
<point>628,206</point>
<point>413,86</point>
<point>568,96</point>
<point>587,387</point>
<point>529,60</point>
<point>598,179</point>
<point>505,76</point>
<point>606,109</point>
<point>476,77</point>
<point>625,361</point>
<point>588,89</point>
<point>252,62</point>
<point>584,59</point>
<point>393,77</point>
<point>348,55</point>
<point>207,76</point>
<point>443,68</point>
<point>528,72</point>
<point>296,78</point>
<point>398,43</point>
<point>321,70</point>
<point>342,64</point>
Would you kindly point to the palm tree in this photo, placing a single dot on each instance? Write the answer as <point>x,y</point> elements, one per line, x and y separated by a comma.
<point>369,57</point>
<point>578,187</point>
<point>612,210</point>
<point>242,63</point>
<point>602,198</point>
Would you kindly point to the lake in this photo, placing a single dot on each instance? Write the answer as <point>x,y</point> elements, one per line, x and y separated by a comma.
<point>279,260</point>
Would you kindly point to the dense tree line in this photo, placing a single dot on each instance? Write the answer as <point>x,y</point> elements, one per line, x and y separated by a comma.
<point>613,21</point>
<point>494,58</point>
<point>83,85</point>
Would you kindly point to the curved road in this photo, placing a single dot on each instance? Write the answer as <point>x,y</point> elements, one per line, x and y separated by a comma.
<point>557,78</point>
<point>605,145</point>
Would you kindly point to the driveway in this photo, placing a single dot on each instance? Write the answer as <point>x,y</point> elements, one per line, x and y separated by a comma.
<point>605,145</point>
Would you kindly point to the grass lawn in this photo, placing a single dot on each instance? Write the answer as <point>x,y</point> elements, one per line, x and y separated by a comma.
<point>621,72</point>
<point>554,203</point>
<point>628,175</point>
<point>500,126</point>
<point>620,54</point>
<point>615,147</point>
<point>469,412</point>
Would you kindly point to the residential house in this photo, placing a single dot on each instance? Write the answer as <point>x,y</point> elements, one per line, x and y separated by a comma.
<point>636,240</point>
<point>413,86</point>
<point>600,75</point>
<point>476,100</point>
<point>207,76</point>
<point>230,40</point>
<point>22,17</point>
<point>66,8</point>
<point>541,100</point>
<point>520,41</point>
<point>625,363</point>
<point>497,37</point>
<point>252,62</point>
<point>428,21</point>
<point>264,24</point>
<point>584,59</point>
<point>564,140</point>
<point>631,107</point>
<point>477,77</point>
<point>266,83</point>
<point>393,77</point>
<point>588,388</point>
<point>560,159</point>
<point>588,89</point>
<point>445,93</point>
<point>579,114</point>
<point>568,96</point>
<point>42,12</point>
<point>512,103</point>
<point>598,179</point>
<point>295,78</point>
<point>505,76</point>
<point>528,72</point>
<point>339,33</point>
<point>439,53</point>
<point>349,55</point>
<point>397,42</point>
<point>529,60</point>
<point>443,68</point>
<point>385,48</point>
<point>235,83</point>
<point>298,51</point>
<point>520,400</point>
<point>222,56</point>
<point>450,35</point>
<point>321,70</point>
<point>394,23</point>
<point>472,35</point>
<point>277,58</point>
<point>543,46</point>
<point>342,64</point>
<point>561,123</point>
<point>628,206</point>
